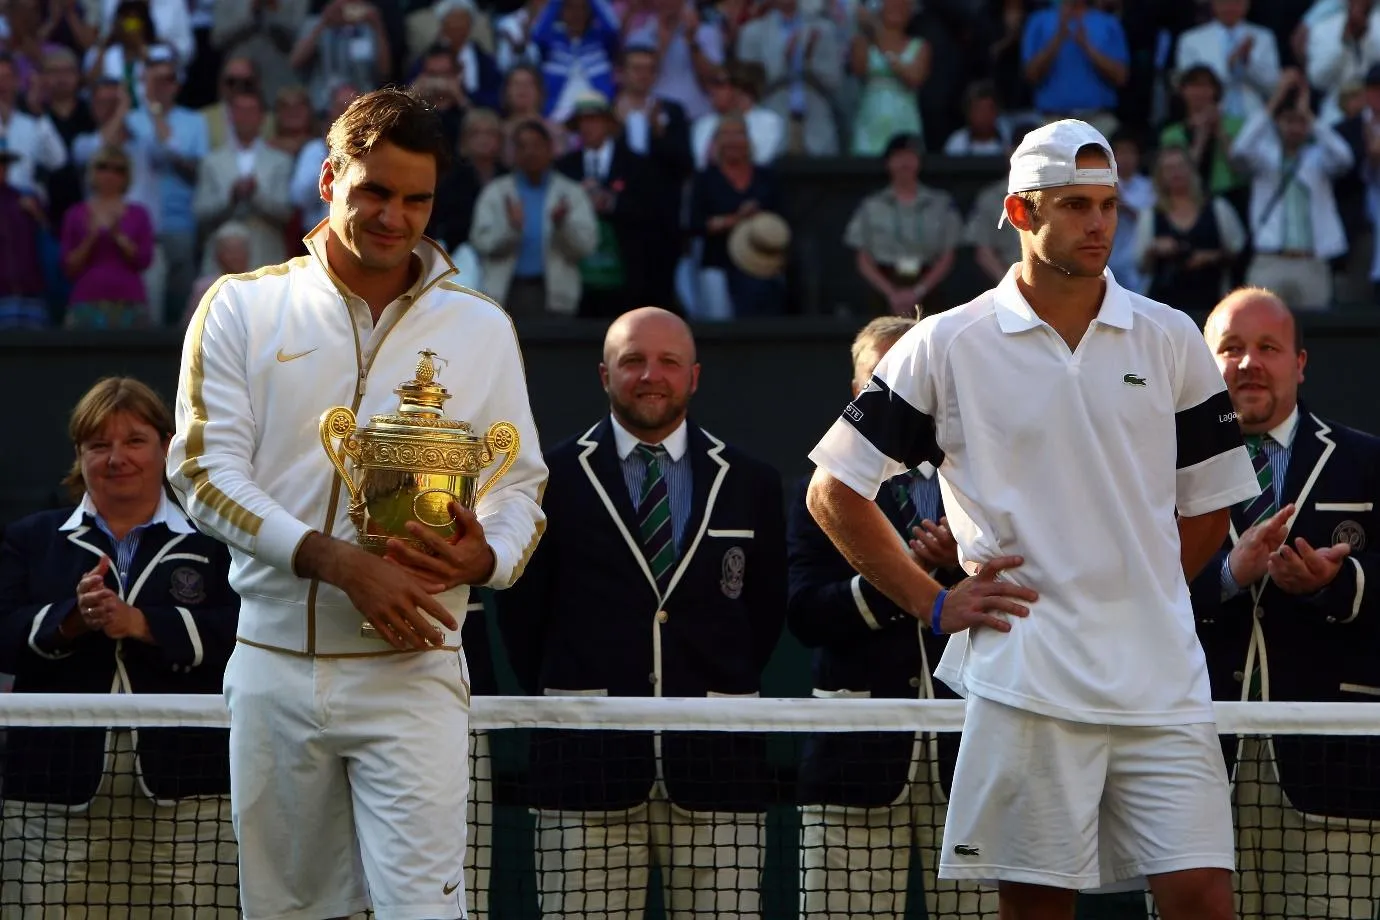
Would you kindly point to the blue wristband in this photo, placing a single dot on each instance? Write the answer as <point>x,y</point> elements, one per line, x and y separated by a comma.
<point>936,611</point>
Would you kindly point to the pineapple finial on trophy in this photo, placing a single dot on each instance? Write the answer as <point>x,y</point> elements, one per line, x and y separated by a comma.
<point>426,368</point>
<point>422,395</point>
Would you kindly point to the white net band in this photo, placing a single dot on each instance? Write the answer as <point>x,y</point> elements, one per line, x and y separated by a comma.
<point>77,710</point>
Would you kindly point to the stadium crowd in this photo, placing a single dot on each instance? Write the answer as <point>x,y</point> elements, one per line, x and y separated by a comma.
<point>151,145</point>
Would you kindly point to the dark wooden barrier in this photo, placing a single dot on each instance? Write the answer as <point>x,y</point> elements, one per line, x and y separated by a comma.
<point>770,386</point>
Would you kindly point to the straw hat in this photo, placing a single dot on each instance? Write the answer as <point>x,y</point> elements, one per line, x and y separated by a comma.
<point>760,245</point>
<point>590,102</point>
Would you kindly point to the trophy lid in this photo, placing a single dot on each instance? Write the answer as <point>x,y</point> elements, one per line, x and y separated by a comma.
<point>420,400</point>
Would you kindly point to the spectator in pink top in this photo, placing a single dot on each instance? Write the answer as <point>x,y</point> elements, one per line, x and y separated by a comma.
<point>107,243</point>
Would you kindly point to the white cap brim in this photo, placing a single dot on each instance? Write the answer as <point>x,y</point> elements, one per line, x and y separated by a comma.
<point>1100,176</point>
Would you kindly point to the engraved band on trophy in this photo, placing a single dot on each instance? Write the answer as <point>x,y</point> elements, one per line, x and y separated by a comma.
<point>409,466</point>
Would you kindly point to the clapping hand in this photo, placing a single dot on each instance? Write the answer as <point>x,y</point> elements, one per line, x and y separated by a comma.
<point>102,610</point>
<point>934,546</point>
<point>1300,569</point>
<point>1250,557</point>
<point>902,301</point>
<point>1243,50</point>
<point>243,188</point>
<point>93,596</point>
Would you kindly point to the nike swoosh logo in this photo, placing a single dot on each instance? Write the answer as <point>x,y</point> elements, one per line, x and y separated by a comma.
<point>449,889</point>
<point>284,357</point>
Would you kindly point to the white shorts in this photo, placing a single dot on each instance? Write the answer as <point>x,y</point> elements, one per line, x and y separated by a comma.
<point>1080,806</point>
<point>344,770</point>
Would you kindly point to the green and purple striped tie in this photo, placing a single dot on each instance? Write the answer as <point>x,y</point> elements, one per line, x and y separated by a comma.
<point>1251,512</point>
<point>654,517</point>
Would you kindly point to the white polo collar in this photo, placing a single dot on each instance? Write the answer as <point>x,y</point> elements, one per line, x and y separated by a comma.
<point>1283,433</point>
<point>166,514</point>
<point>676,443</point>
<point>1014,313</point>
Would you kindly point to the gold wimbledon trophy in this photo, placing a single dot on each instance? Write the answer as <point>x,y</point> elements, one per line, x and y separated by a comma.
<point>411,465</point>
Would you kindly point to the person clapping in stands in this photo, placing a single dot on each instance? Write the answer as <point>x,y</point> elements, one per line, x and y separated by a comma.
<point>120,594</point>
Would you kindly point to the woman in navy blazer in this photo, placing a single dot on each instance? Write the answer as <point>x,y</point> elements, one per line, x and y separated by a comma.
<point>119,595</point>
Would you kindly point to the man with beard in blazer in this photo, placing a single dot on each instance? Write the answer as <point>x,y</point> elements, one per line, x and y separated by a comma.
<point>1285,613</point>
<point>867,798</point>
<point>622,188</point>
<point>662,572</point>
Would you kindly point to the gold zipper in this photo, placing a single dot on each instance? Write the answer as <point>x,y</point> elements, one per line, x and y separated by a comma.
<point>329,526</point>
<point>361,379</point>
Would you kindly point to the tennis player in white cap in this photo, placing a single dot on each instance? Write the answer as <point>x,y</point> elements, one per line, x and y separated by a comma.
<point>1088,456</point>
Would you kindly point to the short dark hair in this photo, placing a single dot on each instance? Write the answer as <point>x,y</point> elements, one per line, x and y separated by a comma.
<point>749,77</point>
<point>436,50</point>
<point>1123,136</point>
<point>639,47</point>
<point>390,115</point>
<point>982,89</point>
<point>531,125</point>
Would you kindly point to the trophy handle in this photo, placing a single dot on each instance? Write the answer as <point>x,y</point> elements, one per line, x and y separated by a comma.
<point>501,438</point>
<point>339,424</point>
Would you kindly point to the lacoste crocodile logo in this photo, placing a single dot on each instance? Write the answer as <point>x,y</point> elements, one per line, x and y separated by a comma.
<point>964,849</point>
<point>1132,380</point>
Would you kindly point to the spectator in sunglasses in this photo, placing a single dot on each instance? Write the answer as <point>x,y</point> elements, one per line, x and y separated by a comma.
<point>107,242</point>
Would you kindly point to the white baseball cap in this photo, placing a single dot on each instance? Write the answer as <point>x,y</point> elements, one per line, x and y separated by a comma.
<point>1047,158</point>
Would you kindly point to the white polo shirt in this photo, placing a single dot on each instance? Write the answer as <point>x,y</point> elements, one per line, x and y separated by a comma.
<point>1077,461</point>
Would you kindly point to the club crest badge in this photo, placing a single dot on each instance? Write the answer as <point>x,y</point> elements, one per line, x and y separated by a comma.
<point>188,586</point>
<point>1350,533</point>
<point>734,566</point>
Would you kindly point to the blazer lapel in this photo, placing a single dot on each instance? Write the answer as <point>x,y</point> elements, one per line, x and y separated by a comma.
<point>156,542</point>
<point>1312,448</point>
<point>93,541</point>
<point>600,463</point>
<point>707,469</point>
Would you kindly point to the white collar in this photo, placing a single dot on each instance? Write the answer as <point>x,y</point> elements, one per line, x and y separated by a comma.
<point>1014,313</point>
<point>1283,433</point>
<point>469,67</point>
<point>165,514</point>
<point>926,469</point>
<point>602,159</point>
<point>676,443</point>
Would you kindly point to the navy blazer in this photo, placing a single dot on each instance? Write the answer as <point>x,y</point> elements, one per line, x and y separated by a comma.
<point>884,653</point>
<point>587,619</point>
<point>479,657</point>
<point>181,583</point>
<point>636,214</point>
<point>1320,648</point>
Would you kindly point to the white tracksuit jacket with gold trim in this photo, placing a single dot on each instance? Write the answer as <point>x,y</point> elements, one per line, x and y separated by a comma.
<point>266,354</point>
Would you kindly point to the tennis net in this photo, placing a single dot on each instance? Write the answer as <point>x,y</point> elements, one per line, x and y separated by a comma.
<point>589,806</point>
